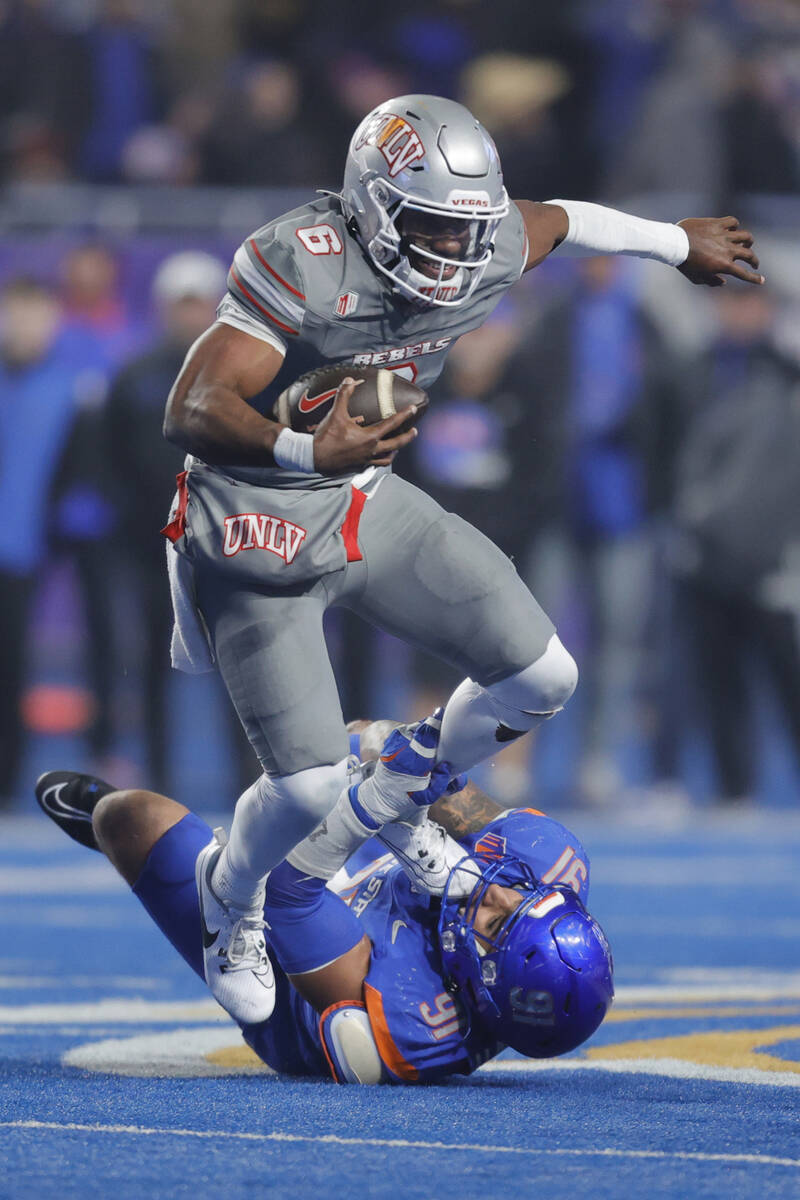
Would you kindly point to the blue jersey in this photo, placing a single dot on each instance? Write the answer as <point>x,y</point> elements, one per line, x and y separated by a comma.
<point>422,1031</point>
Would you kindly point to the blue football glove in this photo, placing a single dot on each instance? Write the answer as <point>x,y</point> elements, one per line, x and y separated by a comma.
<point>440,778</point>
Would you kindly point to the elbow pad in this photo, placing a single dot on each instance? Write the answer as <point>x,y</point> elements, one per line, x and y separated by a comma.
<point>349,1044</point>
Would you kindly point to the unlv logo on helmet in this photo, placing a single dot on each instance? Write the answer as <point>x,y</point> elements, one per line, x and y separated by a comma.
<point>399,144</point>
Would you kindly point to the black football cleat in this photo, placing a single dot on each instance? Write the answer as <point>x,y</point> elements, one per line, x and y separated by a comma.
<point>69,798</point>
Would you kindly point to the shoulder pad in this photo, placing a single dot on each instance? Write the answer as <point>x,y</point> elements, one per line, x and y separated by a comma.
<point>265,280</point>
<point>322,250</point>
<point>510,251</point>
<point>349,1045</point>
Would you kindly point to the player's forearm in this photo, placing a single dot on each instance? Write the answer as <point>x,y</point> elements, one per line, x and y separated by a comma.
<point>465,812</point>
<point>208,412</point>
<point>217,425</point>
<point>595,229</point>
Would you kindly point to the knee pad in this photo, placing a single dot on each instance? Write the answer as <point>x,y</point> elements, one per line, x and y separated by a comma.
<point>349,1044</point>
<point>307,794</point>
<point>537,692</point>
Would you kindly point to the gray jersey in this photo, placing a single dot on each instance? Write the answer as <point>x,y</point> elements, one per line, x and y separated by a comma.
<point>305,279</point>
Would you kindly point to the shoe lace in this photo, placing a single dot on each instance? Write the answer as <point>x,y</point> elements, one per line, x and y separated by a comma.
<point>443,854</point>
<point>247,948</point>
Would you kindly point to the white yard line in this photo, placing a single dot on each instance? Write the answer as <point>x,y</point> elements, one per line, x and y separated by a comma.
<point>332,1139</point>
<point>670,1068</point>
<point>135,1011</point>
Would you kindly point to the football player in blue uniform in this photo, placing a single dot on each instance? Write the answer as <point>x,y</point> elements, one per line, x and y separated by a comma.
<point>376,979</point>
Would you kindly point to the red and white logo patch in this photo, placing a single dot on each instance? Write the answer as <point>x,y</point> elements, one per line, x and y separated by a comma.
<point>397,141</point>
<point>260,531</point>
<point>345,304</point>
<point>491,845</point>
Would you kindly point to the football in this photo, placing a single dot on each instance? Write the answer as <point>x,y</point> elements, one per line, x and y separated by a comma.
<point>305,402</point>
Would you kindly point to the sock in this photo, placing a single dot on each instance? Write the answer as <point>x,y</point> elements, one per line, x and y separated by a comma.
<point>271,817</point>
<point>361,811</point>
<point>330,845</point>
<point>401,784</point>
<point>479,721</point>
<point>469,728</point>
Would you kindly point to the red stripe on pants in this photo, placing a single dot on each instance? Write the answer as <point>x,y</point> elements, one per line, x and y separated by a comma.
<point>175,529</point>
<point>350,525</point>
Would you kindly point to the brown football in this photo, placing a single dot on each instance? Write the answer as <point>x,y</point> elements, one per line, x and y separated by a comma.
<point>382,394</point>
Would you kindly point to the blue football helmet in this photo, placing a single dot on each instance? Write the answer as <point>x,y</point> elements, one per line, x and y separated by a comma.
<point>544,981</point>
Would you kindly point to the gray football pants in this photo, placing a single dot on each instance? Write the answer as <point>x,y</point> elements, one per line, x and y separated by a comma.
<point>426,576</point>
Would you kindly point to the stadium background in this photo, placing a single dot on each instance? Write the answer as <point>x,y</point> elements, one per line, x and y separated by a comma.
<point>574,429</point>
<point>631,441</point>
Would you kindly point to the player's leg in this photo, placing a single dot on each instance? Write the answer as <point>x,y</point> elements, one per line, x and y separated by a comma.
<point>438,583</point>
<point>271,652</point>
<point>272,655</point>
<point>152,841</point>
<point>127,824</point>
<point>154,844</point>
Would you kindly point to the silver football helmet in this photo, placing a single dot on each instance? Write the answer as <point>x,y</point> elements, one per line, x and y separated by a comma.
<point>424,190</point>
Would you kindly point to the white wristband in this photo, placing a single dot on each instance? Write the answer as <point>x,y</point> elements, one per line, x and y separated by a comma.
<point>294,451</point>
<point>595,229</point>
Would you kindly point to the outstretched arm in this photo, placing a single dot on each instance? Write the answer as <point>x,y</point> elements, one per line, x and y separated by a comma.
<point>704,249</point>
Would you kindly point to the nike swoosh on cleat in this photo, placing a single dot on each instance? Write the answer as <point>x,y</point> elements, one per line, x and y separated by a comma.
<point>58,807</point>
<point>208,937</point>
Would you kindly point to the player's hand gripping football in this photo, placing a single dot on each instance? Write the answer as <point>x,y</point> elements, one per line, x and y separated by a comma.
<point>716,247</point>
<point>342,442</point>
<point>406,762</point>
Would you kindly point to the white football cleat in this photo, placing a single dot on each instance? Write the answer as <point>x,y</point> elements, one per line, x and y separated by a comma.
<point>235,959</point>
<point>428,854</point>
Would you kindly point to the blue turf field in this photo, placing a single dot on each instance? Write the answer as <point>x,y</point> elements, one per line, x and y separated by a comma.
<point>119,1079</point>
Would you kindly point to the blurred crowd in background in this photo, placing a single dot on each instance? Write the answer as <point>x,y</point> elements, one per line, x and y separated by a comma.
<point>616,96</point>
<point>633,443</point>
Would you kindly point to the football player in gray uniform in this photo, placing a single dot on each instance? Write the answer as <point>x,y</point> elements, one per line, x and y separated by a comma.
<point>271,525</point>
